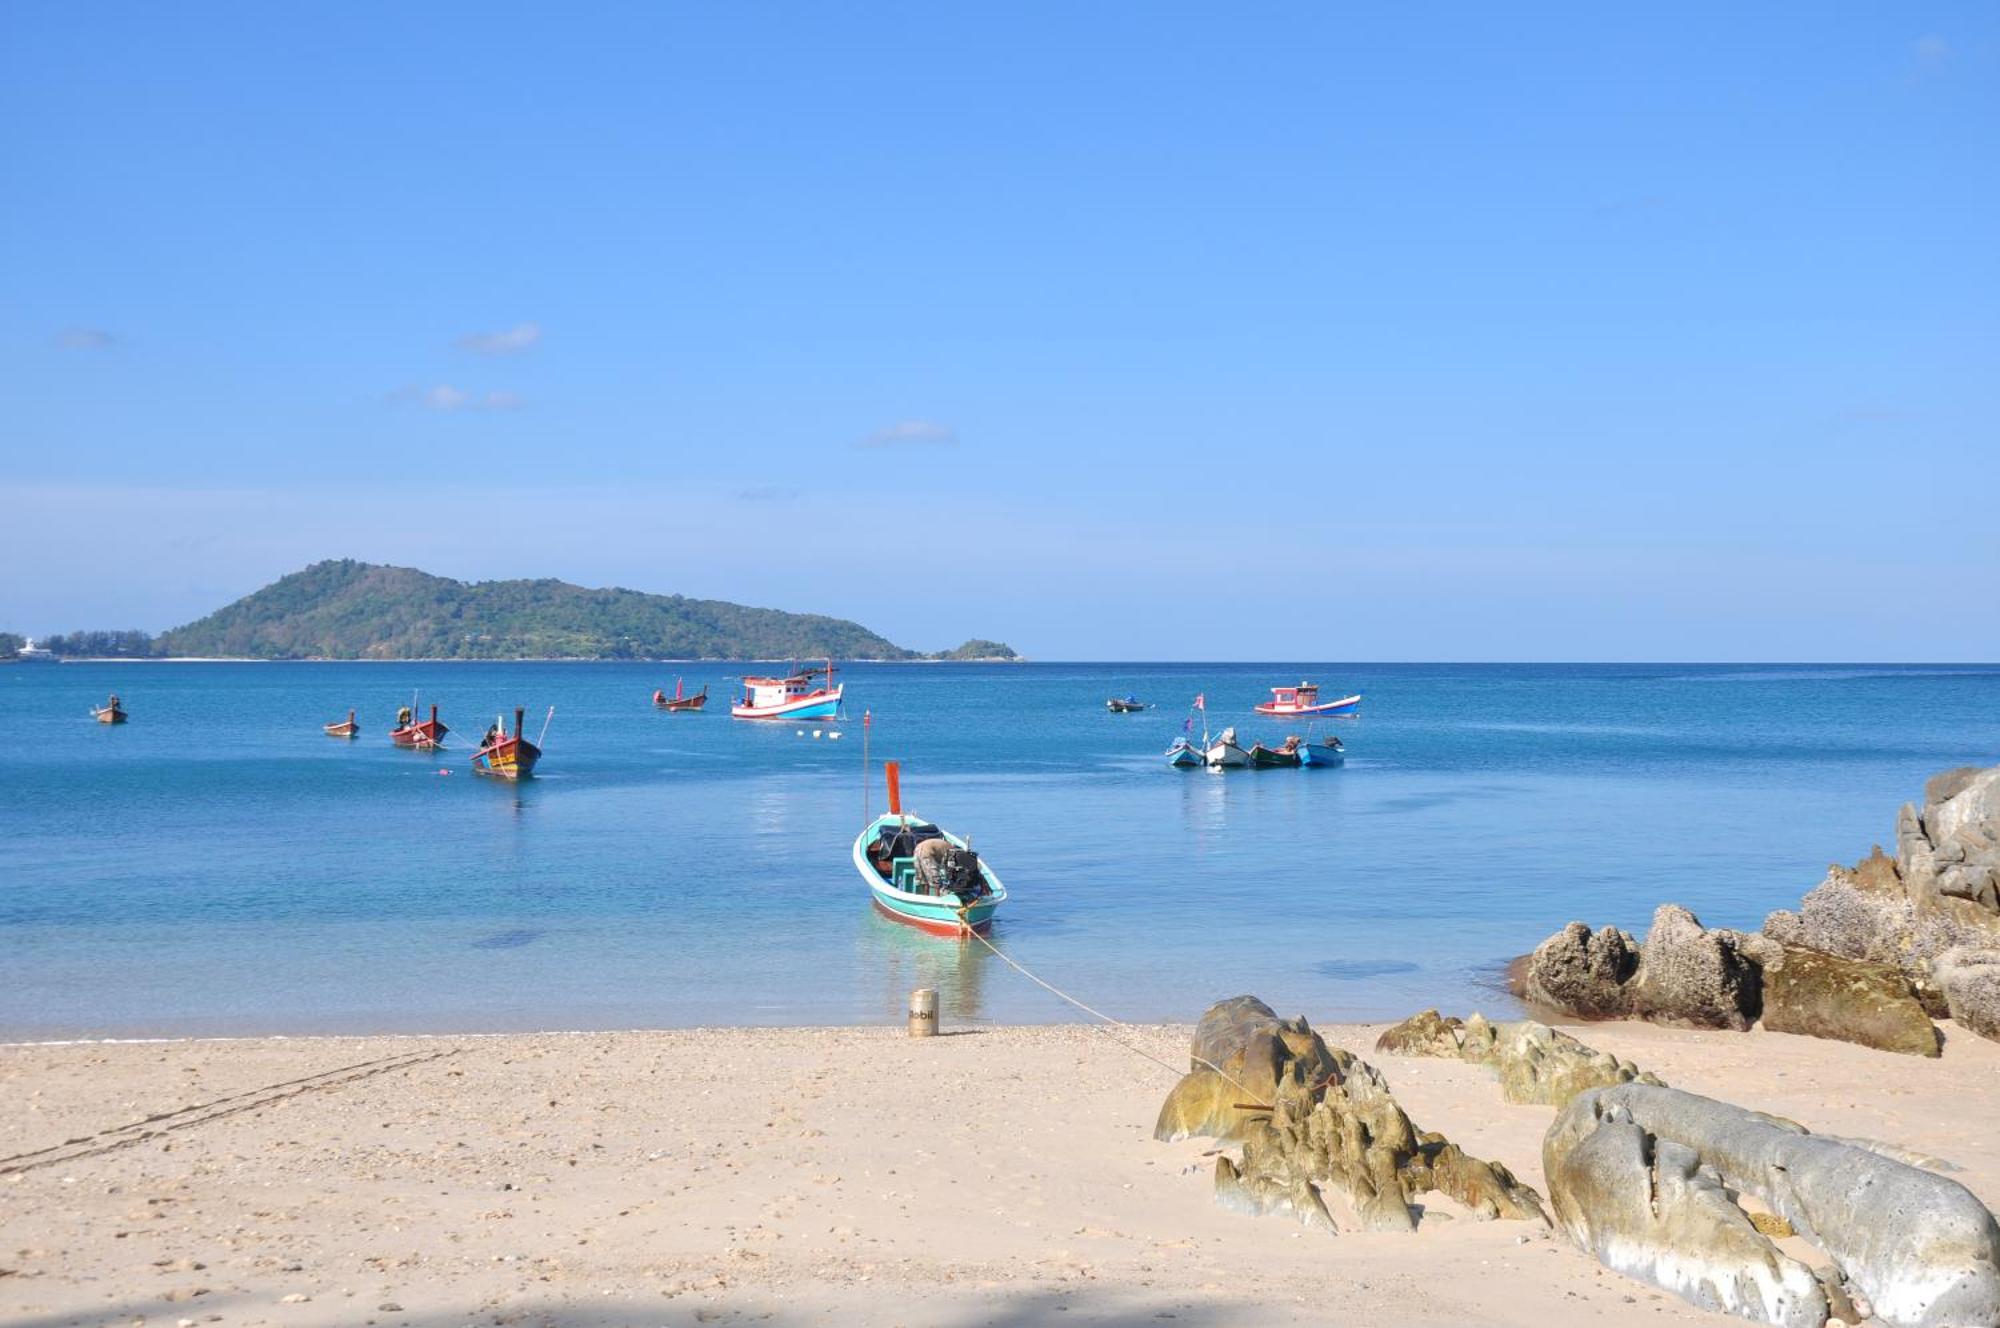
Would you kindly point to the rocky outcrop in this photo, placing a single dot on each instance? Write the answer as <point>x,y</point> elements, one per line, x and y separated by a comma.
<point>1939,893</point>
<point>1535,1063</point>
<point>1851,1000</point>
<point>1642,1176</point>
<point>1312,1119</point>
<point>1684,974</point>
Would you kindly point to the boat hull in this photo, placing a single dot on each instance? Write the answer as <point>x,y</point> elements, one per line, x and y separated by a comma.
<point>813,705</point>
<point>514,758</point>
<point>342,730</point>
<point>1182,756</point>
<point>109,716</point>
<point>1272,758</point>
<point>430,733</point>
<point>1346,705</point>
<point>940,915</point>
<point>1227,756</point>
<point>686,704</point>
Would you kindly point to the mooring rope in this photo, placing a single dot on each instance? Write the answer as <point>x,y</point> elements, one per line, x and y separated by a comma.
<point>1050,987</point>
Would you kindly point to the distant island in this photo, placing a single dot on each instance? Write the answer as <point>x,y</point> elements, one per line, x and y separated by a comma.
<point>343,609</point>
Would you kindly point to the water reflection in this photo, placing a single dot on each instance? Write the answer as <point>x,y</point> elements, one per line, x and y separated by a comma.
<point>903,959</point>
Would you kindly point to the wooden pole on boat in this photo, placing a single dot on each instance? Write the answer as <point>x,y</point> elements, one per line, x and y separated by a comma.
<point>895,787</point>
<point>924,1012</point>
<point>545,725</point>
<point>867,720</point>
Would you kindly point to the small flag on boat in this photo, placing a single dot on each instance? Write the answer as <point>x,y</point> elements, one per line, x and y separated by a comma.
<point>1201,701</point>
<point>1187,725</point>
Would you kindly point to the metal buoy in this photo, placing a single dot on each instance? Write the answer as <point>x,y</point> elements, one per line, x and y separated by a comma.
<point>924,1012</point>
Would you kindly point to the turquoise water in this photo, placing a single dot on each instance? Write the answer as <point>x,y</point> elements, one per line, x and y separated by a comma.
<point>217,865</point>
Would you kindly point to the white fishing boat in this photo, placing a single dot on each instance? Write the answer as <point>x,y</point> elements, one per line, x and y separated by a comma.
<point>1225,753</point>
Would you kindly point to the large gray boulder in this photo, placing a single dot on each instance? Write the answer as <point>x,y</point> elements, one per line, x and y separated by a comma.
<point>1921,1250</point>
<point>1850,1000</point>
<point>1583,972</point>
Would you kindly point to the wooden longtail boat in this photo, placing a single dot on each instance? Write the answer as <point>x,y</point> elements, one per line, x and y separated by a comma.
<point>111,712</point>
<point>508,756</point>
<point>345,730</point>
<point>680,702</point>
<point>923,875</point>
<point>1304,700</point>
<point>1184,755</point>
<point>427,734</point>
<point>1286,754</point>
<point>795,696</point>
<point>1124,705</point>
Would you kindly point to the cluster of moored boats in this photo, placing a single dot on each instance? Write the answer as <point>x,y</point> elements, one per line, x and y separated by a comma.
<point>1226,751</point>
<point>917,872</point>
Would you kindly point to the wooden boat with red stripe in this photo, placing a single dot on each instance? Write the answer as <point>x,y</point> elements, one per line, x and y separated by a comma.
<point>111,712</point>
<point>508,755</point>
<point>1304,700</point>
<point>422,734</point>
<point>680,702</point>
<point>347,729</point>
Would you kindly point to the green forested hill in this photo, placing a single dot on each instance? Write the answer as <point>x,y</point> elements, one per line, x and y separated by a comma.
<point>354,610</point>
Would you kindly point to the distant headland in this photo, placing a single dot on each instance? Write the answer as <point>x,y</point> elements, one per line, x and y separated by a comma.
<point>343,609</point>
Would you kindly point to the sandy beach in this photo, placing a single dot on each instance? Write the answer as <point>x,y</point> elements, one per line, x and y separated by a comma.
<point>817,1175</point>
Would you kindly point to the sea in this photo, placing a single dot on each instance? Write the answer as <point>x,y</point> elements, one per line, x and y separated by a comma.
<point>218,866</point>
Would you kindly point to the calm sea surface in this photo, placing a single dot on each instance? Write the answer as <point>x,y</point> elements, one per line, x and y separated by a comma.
<point>217,865</point>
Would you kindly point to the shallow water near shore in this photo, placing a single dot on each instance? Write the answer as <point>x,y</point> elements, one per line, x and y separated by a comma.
<point>219,866</point>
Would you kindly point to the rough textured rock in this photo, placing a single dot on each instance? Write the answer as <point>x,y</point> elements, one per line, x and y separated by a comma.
<point>1424,1034</point>
<point>1921,1249</point>
<point>1684,973</point>
<point>1851,1000</point>
<point>1583,972</point>
<point>1940,892</point>
<point>1536,1064</point>
<point>1969,981</point>
<point>1328,1119</point>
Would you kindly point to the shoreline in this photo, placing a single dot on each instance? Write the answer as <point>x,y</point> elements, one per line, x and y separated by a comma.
<point>814,1175</point>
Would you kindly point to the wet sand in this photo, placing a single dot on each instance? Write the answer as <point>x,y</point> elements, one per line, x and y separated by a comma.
<point>798,1176</point>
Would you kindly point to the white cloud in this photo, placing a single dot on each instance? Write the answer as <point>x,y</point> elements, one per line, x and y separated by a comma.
<point>1933,49</point>
<point>85,338</point>
<point>520,337</point>
<point>912,433</point>
<point>445,397</point>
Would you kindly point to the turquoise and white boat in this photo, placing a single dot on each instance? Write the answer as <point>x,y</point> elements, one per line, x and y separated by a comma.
<point>924,875</point>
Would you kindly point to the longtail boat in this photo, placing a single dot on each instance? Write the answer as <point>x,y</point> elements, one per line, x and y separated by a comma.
<point>1184,755</point>
<point>680,701</point>
<point>923,875</point>
<point>1124,705</point>
<point>111,712</point>
<point>1304,700</point>
<point>348,729</point>
<point>794,696</point>
<point>1285,754</point>
<point>508,756</point>
<point>425,734</point>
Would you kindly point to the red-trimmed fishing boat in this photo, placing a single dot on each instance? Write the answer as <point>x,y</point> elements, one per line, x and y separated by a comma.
<point>680,701</point>
<point>795,696</point>
<point>345,730</point>
<point>424,734</point>
<point>507,755</point>
<point>1304,700</point>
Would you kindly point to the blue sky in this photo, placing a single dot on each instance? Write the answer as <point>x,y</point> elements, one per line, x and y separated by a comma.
<point>1582,332</point>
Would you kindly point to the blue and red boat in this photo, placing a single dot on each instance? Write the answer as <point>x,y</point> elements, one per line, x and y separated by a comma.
<point>1304,700</point>
<point>807,694</point>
